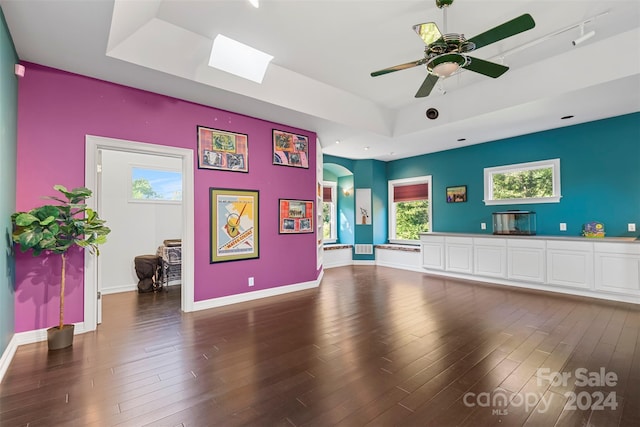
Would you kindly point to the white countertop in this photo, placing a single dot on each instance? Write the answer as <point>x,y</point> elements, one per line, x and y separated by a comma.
<point>538,236</point>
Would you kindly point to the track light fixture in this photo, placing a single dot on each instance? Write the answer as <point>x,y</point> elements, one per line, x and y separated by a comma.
<point>583,36</point>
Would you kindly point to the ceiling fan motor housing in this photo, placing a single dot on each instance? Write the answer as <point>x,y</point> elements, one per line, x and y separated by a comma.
<point>443,3</point>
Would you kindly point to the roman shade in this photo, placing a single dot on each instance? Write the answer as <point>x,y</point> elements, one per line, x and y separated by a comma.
<point>411,192</point>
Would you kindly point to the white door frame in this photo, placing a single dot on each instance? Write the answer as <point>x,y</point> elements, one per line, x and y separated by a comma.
<point>95,143</point>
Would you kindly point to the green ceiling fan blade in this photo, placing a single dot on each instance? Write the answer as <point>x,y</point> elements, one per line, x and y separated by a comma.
<point>427,86</point>
<point>428,32</point>
<point>398,67</point>
<point>515,26</point>
<point>487,68</point>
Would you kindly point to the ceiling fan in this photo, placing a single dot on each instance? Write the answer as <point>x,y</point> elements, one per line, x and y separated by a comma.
<point>446,53</point>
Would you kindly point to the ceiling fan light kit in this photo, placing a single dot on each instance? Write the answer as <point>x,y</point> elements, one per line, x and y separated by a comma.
<point>445,54</point>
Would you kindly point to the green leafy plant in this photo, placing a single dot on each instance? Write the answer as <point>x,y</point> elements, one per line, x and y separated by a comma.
<point>55,228</point>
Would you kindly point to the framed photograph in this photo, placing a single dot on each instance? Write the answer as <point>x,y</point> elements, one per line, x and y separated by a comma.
<point>296,216</point>
<point>290,149</point>
<point>234,224</point>
<point>222,150</point>
<point>457,194</point>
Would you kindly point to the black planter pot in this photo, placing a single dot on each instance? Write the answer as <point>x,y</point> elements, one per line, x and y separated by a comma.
<point>60,338</point>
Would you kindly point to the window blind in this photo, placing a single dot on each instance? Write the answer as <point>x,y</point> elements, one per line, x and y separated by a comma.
<point>411,192</point>
<point>327,194</point>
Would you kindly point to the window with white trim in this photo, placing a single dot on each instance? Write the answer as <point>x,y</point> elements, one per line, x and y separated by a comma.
<point>533,182</point>
<point>329,208</point>
<point>409,209</point>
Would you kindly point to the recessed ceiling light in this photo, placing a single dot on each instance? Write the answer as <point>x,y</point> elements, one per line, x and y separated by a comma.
<point>239,59</point>
<point>366,148</point>
<point>566,117</point>
<point>337,141</point>
<point>255,3</point>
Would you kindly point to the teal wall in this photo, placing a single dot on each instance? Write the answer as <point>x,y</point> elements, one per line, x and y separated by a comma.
<point>599,168</point>
<point>366,174</point>
<point>346,203</point>
<point>8,138</point>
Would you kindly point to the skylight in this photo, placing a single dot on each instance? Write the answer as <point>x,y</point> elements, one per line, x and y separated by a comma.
<point>239,59</point>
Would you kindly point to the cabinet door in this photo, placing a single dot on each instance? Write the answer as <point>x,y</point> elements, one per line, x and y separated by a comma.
<point>617,268</point>
<point>570,264</point>
<point>432,252</point>
<point>490,257</point>
<point>526,260</point>
<point>459,254</point>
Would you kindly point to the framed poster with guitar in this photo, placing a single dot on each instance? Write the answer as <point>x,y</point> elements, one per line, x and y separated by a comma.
<point>234,224</point>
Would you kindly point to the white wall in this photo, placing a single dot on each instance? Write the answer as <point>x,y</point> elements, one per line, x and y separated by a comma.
<point>137,228</point>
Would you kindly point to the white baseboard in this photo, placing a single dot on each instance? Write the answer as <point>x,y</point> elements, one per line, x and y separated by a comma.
<point>118,289</point>
<point>7,356</point>
<point>250,296</point>
<point>338,264</point>
<point>132,288</point>
<point>534,286</point>
<point>419,269</point>
<point>28,337</point>
<point>364,262</point>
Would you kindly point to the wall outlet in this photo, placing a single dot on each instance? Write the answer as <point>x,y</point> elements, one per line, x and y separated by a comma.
<point>483,225</point>
<point>250,281</point>
<point>631,227</point>
<point>563,226</point>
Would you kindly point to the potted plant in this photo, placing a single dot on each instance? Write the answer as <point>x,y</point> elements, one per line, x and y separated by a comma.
<point>55,228</point>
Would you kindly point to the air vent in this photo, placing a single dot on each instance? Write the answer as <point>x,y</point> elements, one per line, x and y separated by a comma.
<point>364,249</point>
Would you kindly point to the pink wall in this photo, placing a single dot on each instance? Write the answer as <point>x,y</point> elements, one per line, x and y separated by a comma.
<point>57,109</point>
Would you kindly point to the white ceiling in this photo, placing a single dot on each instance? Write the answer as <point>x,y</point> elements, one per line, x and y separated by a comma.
<point>324,52</point>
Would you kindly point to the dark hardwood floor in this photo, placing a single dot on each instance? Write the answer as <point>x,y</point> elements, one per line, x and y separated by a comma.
<point>372,346</point>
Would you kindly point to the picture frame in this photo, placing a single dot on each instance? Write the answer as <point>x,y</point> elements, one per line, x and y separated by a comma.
<point>290,149</point>
<point>457,194</point>
<point>295,216</point>
<point>222,150</point>
<point>234,227</point>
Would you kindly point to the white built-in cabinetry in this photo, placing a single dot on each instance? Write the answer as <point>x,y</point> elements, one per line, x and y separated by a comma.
<point>490,257</point>
<point>525,260</point>
<point>570,263</point>
<point>459,254</point>
<point>432,252</point>
<point>617,268</point>
<point>604,268</point>
<point>319,199</point>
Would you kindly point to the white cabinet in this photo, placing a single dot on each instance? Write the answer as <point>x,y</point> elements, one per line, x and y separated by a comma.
<point>570,264</point>
<point>319,198</point>
<point>432,252</point>
<point>490,257</point>
<point>459,254</point>
<point>525,260</point>
<point>617,267</point>
<point>602,268</point>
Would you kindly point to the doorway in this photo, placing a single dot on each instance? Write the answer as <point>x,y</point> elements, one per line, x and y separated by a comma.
<point>94,146</point>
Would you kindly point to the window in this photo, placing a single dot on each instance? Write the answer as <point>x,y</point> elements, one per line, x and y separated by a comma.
<point>409,208</point>
<point>534,182</point>
<point>329,228</point>
<point>155,185</point>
